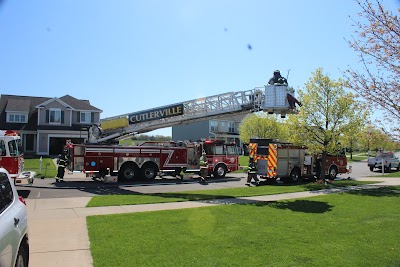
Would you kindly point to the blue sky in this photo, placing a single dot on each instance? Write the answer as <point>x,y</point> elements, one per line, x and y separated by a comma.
<point>126,56</point>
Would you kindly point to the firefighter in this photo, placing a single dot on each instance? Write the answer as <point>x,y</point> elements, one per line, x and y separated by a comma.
<point>318,167</point>
<point>203,168</point>
<point>293,101</point>
<point>252,172</point>
<point>62,164</point>
<point>277,79</point>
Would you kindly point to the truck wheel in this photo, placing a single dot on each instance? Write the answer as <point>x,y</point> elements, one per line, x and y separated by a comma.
<point>333,171</point>
<point>388,169</point>
<point>177,172</point>
<point>371,168</point>
<point>219,171</point>
<point>149,171</point>
<point>128,173</point>
<point>103,173</point>
<point>295,175</point>
<point>398,167</point>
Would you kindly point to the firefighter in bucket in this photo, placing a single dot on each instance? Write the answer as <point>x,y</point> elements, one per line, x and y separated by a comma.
<point>203,168</point>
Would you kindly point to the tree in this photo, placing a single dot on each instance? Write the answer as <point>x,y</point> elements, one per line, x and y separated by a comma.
<point>261,125</point>
<point>374,138</point>
<point>351,141</point>
<point>328,113</point>
<point>377,44</point>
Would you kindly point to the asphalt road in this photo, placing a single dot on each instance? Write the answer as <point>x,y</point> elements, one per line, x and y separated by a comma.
<point>77,185</point>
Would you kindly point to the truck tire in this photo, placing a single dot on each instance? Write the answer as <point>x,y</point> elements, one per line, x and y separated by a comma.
<point>149,171</point>
<point>371,168</point>
<point>295,175</point>
<point>128,172</point>
<point>388,168</point>
<point>220,171</point>
<point>333,172</point>
<point>177,172</point>
<point>103,173</point>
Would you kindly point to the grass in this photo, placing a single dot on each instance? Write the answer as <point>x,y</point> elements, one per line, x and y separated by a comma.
<point>48,168</point>
<point>135,199</point>
<point>243,162</point>
<point>359,228</point>
<point>356,158</point>
<point>130,142</point>
<point>392,174</point>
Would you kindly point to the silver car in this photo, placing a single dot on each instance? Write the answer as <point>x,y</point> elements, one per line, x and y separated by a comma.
<point>14,241</point>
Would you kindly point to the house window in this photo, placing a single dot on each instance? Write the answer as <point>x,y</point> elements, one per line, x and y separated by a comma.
<point>86,117</point>
<point>231,127</point>
<point>55,116</point>
<point>17,117</point>
<point>214,126</point>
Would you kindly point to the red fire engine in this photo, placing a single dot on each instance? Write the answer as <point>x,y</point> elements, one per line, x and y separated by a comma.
<point>149,159</point>
<point>290,162</point>
<point>12,158</point>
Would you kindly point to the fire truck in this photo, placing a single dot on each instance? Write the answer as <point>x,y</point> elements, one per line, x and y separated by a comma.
<point>150,159</point>
<point>101,156</point>
<point>291,163</point>
<point>12,158</point>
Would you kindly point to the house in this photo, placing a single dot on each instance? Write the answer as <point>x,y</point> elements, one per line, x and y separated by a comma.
<point>225,129</point>
<point>44,123</point>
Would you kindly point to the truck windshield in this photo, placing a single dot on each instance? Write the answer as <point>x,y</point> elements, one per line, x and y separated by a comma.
<point>231,150</point>
<point>210,150</point>
<point>263,150</point>
<point>220,150</point>
<point>214,149</point>
<point>15,148</point>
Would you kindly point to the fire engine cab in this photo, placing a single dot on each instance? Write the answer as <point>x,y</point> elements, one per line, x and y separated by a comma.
<point>291,163</point>
<point>12,158</point>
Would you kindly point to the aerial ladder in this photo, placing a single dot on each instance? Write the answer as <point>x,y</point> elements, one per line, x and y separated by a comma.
<point>270,98</point>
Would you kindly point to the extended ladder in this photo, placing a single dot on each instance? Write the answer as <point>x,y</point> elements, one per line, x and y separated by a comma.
<point>270,97</point>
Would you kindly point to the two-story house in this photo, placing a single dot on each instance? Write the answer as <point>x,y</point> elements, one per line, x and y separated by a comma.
<point>44,123</point>
<point>225,129</point>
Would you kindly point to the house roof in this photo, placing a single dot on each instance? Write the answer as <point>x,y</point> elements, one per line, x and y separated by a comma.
<point>18,105</point>
<point>29,104</point>
<point>79,104</point>
<point>72,103</point>
<point>54,99</point>
<point>9,102</point>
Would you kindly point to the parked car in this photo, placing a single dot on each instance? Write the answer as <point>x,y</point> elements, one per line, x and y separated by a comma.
<point>387,159</point>
<point>14,241</point>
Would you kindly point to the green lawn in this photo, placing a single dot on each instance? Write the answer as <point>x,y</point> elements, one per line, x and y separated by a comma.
<point>356,158</point>
<point>360,228</point>
<point>134,199</point>
<point>48,167</point>
<point>244,160</point>
<point>392,174</point>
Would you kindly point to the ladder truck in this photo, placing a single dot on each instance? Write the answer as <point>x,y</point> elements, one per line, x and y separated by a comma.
<point>99,157</point>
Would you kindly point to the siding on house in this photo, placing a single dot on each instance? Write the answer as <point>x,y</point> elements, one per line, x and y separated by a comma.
<point>40,135</point>
<point>226,129</point>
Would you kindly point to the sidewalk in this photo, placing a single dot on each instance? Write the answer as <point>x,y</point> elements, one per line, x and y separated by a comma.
<point>58,230</point>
